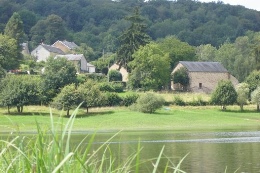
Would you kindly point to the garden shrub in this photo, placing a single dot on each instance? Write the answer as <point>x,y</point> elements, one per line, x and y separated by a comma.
<point>128,100</point>
<point>111,87</point>
<point>197,102</point>
<point>179,101</point>
<point>113,99</point>
<point>114,75</point>
<point>148,103</point>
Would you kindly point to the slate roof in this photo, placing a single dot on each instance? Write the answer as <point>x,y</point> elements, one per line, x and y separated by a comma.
<point>204,66</point>
<point>52,49</point>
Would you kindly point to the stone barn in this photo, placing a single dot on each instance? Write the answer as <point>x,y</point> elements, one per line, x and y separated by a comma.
<point>203,76</point>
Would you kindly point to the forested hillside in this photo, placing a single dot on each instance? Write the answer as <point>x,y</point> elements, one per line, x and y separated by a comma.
<point>98,23</point>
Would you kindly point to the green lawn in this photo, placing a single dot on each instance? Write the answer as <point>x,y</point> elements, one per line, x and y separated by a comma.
<point>120,118</point>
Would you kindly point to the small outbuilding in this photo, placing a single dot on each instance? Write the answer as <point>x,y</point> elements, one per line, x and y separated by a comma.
<point>203,76</point>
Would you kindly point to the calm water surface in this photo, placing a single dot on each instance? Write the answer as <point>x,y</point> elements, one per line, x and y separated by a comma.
<point>207,151</point>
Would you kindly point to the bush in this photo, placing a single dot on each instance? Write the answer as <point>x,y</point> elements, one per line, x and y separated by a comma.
<point>198,102</point>
<point>128,100</point>
<point>148,103</point>
<point>111,87</point>
<point>179,101</point>
<point>113,99</point>
<point>114,75</point>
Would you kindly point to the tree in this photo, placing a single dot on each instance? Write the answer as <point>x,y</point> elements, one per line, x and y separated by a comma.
<point>206,52</point>
<point>14,28</point>
<point>255,95</point>
<point>242,90</point>
<point>181,76</point>
<point>131,39</point>
<point>151,68</point>
<point>225,94</point>
<point>114,75</point>
<point>9,53</point>
<point>19,90</point>
<point>57,74</point>
<point>91,95</point>
<point>253,80</point>
<point>68,98</point>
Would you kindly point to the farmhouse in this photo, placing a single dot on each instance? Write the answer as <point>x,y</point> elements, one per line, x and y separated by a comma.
<point>203,76</point>
<point>44,51</point>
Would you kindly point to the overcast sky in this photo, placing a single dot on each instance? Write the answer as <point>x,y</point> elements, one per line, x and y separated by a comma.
<point>252,4</point>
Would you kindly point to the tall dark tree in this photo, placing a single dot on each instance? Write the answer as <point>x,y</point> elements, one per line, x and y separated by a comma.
<point>14,28</point>
<point>132,38</point>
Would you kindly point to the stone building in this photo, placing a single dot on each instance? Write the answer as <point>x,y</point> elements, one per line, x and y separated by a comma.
<point>203,76</point>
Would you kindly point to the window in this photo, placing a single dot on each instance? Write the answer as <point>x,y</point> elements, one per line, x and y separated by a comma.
<point>200,85</point>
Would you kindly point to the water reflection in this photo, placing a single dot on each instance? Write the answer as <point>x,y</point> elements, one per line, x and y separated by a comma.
<point>208,152</point>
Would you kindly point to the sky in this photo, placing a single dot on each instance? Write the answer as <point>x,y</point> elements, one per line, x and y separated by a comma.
<point>252,4</point>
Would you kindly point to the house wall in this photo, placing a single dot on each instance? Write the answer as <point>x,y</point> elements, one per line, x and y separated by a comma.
<point>206,81</point>
<point>41,54</point>
<point>83,64</point>
<point>91,69</point>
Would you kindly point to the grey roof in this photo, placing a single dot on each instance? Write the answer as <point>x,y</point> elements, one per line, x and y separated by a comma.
<point>52,49</point>
<point>72,57</point>
<point>70,45</point>
<point>203,66</point>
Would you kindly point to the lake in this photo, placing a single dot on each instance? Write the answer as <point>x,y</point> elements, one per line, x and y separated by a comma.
<point>228,151</point>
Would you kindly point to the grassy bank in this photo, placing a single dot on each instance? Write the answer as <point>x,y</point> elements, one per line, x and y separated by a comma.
<point>120,118</point>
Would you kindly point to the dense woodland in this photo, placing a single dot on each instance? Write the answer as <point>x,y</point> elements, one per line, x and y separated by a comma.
<point>217,31</point>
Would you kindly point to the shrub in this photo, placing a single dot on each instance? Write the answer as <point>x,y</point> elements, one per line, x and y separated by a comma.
<point>198,102</point>
<point>111,87</point>
<point>179,101</point>
<point>113,99</point>
<point>148,103</point>
<point>114,75</point>
<point>129,99</point>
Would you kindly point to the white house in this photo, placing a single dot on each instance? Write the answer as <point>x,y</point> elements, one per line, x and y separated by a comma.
<point>43,52</point>
<point>80,62</point>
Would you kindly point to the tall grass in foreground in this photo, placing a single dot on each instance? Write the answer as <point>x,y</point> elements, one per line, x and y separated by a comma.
<point>50,151</point>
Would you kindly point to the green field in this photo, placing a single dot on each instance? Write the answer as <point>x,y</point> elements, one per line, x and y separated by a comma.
<point>121,118</point>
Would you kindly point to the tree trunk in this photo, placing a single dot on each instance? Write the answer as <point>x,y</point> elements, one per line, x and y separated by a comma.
<point>241,107</point>
<point>87,109</point>
<point>21,109</point>
<point>68,113</point>
<point>8,107</point>
<point>258,107</point>
<point>18,109</point>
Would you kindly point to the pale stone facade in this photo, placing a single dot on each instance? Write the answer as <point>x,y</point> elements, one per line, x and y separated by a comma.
<point>204,81</point>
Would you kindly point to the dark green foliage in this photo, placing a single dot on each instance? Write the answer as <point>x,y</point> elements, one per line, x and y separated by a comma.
<point>19,90</point>
<point>181,76</point>
<point>225,94</point>
<point>14,28</point>
<point>114,75</point>
<point>129,99</point>
<point>113,99</point>
<point>57,74</point>
<point>179,101</point>
<point>96,77</point>
<point>111,87</point>
<point>68,98</point>
<point>148,103</point>
<point>198,102</point>
<point>253,80</point>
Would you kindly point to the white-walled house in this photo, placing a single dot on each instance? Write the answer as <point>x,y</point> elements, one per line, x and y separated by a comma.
<point>80,62</point>
<point>43,52</point>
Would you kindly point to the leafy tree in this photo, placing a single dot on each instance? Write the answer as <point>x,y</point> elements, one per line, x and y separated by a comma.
<point>148,103</point>
<point>242,90</point>
<point>206,52</point>
<point>18,90</point>
<point>29,20</point>
<point>9,53</point>
<point>68,98</point>
<point>253,80</point>
<point>181,76</point>
<point>87,51</point>
<point>91,95</point>
<point>131,39</point>
<point>114,75</point>
<point>14,28</point>
<point>57,74</point>
<point>177,50</point>
<point>255,95</point>
<point>151,68</point>
<point>225,94</point>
